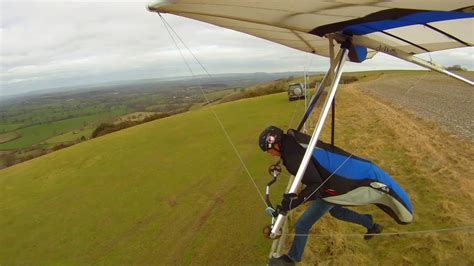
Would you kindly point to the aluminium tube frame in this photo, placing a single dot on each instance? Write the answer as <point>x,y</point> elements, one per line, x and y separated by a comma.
<point>390,50</point>
<point>314,139</point>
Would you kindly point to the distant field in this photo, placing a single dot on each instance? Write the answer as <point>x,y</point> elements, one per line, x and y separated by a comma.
<point>136,116</point>
<point>214,97</point>
<point>9,127</point>
<point>40,117</point>
<point>6,137</point>
<point>72,135</point>
<point>45,112</point>
<point>4,152</point>
<point>36,134</point>
<point>266,88</point>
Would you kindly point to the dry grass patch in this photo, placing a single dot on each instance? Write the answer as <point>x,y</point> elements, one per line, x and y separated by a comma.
<point>134,117</point>
<point>6,137</point>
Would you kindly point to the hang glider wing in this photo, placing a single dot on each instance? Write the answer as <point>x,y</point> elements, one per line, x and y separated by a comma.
<point>410,26</point>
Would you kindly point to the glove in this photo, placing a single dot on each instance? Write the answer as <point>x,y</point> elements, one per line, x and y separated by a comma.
<point>280,210</point>
<point>272,212</point>
<point>289,201</point>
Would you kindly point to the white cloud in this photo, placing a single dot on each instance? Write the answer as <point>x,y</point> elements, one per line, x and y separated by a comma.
<point>63,43</point>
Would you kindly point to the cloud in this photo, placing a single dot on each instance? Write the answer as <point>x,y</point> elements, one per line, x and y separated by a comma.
<point>64,43</point>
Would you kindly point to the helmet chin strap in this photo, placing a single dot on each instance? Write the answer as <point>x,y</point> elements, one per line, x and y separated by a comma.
<point>278,150</point>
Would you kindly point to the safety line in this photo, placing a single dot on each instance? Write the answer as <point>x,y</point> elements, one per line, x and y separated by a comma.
<point>208,102</point>
<point>439,230</point>
<point>307,100</point>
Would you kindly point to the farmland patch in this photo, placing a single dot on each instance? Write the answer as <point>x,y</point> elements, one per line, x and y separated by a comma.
<point>9,136</point>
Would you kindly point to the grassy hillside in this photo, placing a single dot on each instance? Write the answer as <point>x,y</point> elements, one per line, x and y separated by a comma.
<point>173,192</point>
<point>169,191</point>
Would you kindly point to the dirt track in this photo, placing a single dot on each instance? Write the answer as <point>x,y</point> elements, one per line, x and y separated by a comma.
<point>432,96</point>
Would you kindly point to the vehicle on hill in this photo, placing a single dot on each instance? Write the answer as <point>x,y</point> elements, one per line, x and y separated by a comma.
<point>296,91</point>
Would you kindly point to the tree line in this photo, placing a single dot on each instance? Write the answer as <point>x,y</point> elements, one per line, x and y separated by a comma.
<point>107,128</point>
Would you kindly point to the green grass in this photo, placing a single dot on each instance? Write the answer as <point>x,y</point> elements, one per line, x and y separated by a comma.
<point>166,192</point>
<point>9,127</point>
<point>172,192</point>
<point>36,134</point>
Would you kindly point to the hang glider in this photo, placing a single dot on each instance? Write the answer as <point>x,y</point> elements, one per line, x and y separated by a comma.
<point>401,28</point>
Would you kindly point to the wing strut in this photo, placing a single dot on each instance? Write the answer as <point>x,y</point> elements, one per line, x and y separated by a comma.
<point>333,120</point>
<point>387,49</point>
<point>333,105</point>
<point>314,139</point>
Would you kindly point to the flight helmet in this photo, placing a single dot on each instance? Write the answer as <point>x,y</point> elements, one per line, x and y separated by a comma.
<point>269,137</point>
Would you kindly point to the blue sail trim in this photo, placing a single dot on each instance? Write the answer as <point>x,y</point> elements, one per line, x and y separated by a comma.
<point>408,20</point>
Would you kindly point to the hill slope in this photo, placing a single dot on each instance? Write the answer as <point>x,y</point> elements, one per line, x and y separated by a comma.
<point>173,192</point>
<point>169,191</point>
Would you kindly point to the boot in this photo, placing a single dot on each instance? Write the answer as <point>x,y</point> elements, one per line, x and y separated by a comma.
<point>376,229</point>
<point>283,260</point>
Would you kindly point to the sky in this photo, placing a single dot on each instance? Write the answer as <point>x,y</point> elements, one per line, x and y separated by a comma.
<point>52,44</point>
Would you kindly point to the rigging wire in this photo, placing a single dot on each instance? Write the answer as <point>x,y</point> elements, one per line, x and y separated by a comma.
<point>208,102</point>
<point>205,70</point>
<point>294,113</point>
<point>327,179</point>
<point>187,48</point>
<point>412,85</point>
<point>446,119</point>
<point>307,99</point>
